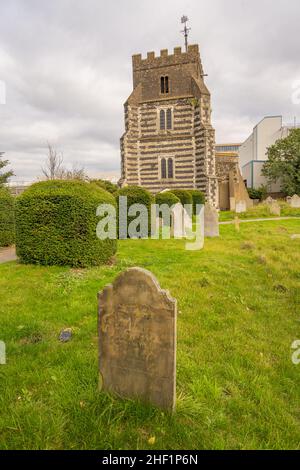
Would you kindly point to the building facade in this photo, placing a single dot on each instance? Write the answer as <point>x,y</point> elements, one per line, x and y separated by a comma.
<point>253,152</point>
<point>169,141</point>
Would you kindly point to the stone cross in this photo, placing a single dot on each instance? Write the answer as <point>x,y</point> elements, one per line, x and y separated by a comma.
<point>137,339</point>
<point>237,224</point>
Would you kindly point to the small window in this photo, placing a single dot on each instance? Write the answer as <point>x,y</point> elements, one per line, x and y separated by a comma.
<point>170,168</point>
<point>162,120</point>
<point>163,164</point>
<point>169,118</point>
<point>164,85</point>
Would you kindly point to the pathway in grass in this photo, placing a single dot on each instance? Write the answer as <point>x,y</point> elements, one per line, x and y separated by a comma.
<point>239,304</point>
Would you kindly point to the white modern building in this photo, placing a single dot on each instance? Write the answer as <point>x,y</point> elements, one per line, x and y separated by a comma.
<point>253,152</point>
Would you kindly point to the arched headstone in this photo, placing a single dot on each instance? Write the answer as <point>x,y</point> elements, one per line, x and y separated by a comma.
<point>137,339</point>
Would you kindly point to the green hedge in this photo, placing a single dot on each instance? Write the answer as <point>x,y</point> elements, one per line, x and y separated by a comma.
<point>166,198</point>
<point>107,185</point>
<point>56,224</point>
<point>183,195</point>
<point>7,218</point>
<point>135,195</point>
<point>198,198</point>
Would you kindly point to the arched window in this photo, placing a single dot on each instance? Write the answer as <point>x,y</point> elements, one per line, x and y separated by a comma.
<point>163,164</point>
<point>169,118</point>
<point>170,168</point>
<point>162,119</point>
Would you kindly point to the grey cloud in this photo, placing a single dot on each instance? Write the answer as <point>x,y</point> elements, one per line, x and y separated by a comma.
<point>67,67</point>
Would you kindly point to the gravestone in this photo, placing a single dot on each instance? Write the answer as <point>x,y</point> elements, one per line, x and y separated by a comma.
<point>240,207</point>
<point>273,205</point>
<point>211,221</point>
<point>269,200</point>
<point>295,202</point>
<point>275,208</point>
<point>137,339</point>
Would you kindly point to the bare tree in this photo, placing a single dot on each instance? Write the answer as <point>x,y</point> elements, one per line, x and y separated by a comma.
<point>54,168</point>
<point>53,165</point>
<point>77,173</point>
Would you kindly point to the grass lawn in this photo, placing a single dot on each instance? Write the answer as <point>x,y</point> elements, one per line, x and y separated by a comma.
<point>261,211</point>
<point>239,304</point>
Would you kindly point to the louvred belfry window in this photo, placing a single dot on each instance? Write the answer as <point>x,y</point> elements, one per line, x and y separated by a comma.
<point>164,85</point>
<point>170,168</point>
<point>163,164</point>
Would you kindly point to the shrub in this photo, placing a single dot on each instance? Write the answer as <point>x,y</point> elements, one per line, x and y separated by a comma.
<point>7,218</point>
<point>107,185</point>
<point>56,224</point>
<point>198,198</point>
<point>183,195</point>
<point>260,193</point>
<point>166,198</point>
<point>136,195</point>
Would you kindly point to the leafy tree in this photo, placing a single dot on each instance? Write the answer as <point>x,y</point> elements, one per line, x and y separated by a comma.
<point>284,163</point>
<point>4,176</point>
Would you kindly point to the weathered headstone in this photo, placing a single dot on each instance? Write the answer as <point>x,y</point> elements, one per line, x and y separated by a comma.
<point>211,221</point>
<point>137,339</point>
<point>273,205</point>
<point>275,208</point>
<point>240,207</point>
<point>295,201</point>
<point>269,200</point>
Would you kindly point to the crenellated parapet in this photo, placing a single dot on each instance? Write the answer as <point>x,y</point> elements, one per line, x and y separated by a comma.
<point>165,59</point>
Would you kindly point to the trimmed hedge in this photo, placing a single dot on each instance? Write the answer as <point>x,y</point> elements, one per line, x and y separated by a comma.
<point>166,198</point>
<point>107,185</point>
<point>56,224</point>
<point>136,195</point>
<point>7,217</point>
<point>183,195</point>
<point>198,198</point>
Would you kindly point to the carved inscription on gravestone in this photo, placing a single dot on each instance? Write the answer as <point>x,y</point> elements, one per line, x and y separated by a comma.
<point>137,339</point>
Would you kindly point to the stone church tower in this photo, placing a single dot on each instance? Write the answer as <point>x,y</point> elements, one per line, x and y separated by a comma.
<point>169,142</point>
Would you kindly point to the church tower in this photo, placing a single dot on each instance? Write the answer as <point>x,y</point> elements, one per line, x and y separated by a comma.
<point>169,142</point>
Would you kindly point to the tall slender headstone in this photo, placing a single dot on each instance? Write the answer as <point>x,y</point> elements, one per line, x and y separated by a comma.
<point>211,221</point>
<point>137,339</point>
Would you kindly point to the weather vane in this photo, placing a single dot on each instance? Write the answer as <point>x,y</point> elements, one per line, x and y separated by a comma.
<point>184,20</point>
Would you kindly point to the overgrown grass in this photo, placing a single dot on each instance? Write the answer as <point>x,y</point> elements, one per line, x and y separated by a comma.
<point>239,304</point>
<point>260,211</point>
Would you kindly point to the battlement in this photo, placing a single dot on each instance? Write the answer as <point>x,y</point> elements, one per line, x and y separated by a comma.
<point>166,59</point>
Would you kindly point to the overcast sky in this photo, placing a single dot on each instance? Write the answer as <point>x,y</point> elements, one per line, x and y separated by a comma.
<point>67,69</point>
